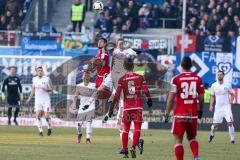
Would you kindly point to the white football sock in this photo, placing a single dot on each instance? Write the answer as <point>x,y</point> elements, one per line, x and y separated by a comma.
<point>130,135</point>
<point>39,124</point>
<point>231,132</point>
<point>212,130</point>
<point>88,129</point>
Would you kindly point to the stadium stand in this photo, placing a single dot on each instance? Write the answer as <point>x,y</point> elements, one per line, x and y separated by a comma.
<point>12,13</point>
<point>203,17</point>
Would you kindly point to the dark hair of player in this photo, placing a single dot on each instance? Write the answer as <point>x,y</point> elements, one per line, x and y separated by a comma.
<point>104,40</point>
<point>220,71</point>
<point>186,63</point>
<point>10,67</point>
<point>39,68</point>
<point>128,64</point>
<point>120,39</point>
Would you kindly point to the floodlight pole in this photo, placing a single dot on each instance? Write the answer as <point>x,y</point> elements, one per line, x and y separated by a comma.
<point>183,26</point>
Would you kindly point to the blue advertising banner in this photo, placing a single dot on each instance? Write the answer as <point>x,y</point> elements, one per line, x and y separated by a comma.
<point>206,64</point>
<point>41,41</point>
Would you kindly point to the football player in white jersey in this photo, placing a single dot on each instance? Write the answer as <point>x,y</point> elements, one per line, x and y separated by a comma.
<point>86,111</point>
<point>223,93</point>
<point>41,87</point>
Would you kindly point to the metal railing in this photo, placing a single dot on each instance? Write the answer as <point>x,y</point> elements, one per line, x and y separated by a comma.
<point>10,38</point>
<point>164,23</point>
<point>40,11</point>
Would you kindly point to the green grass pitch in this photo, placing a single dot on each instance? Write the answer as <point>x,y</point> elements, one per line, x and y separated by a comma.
<point>23,143</point>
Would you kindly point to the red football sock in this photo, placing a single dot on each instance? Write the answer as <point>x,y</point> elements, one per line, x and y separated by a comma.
<point>137,133</point>
<point>194,147</point>
<point>179,151</point>
<point>125,136</point>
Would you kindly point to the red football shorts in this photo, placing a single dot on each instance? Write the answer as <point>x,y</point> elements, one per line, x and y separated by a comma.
<point>180,125</point>
<point>134,115</point>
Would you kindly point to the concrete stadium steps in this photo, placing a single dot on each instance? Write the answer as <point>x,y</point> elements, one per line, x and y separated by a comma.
<point>61,17</point>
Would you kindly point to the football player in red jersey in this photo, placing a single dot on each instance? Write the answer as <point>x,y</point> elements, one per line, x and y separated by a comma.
<point>132,85</point>
<point>102,62</point>
<point>187,89</point>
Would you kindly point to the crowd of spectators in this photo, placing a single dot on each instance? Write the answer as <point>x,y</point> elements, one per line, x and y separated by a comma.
<point>12,13</point>
<point>126,16</point>
<point>204,17</point>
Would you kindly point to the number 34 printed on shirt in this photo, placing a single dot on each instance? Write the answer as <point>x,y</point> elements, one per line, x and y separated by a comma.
<point>188,89</point>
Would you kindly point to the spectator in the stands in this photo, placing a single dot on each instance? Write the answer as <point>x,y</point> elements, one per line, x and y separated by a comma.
<point>119,9</point>
<point>117,24</point>
<point>103,24</point>
<point>155,14</point>
<point>192,25</point>
<point>125,15</point>
<point>202,26</point>
<point>77,15</point>
<point>13,23</point>
<point>20,18</point>
<point>13,6</point>
<point>143,14</point>
<point>133,8</point>
<point>3,23</point>
<point>8,16</point>
<point>110,7</point>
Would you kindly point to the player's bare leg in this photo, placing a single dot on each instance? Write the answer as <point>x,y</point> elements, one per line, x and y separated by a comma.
<point>214,127</point>
<point>193,143</point>
<point>178,148</point>
<point>48,120</point>
<point>39,122</point>
<point>231,132</point>
<point>79,132</point>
